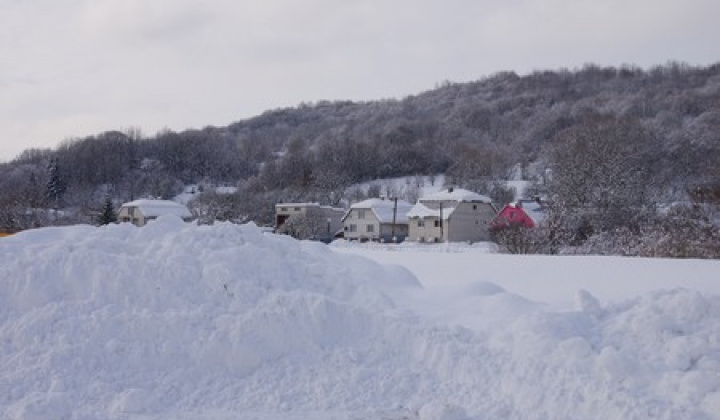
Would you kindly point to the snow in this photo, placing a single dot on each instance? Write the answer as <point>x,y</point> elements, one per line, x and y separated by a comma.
<point>420,210</point>
<point>191,191</point>
<point>449,195</point>
<point>520,186</point>
<point>534,210</point>
<point>308,205</point>
<point>457,195</point>
<point>156,208</point>
<point>175,320</point>
<point>384,209</point>
<point>398,186</point>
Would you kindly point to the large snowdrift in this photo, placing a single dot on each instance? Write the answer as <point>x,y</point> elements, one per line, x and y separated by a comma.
<point>180,321</point>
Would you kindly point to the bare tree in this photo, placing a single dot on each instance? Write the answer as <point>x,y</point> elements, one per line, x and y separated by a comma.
<point>603,177</point>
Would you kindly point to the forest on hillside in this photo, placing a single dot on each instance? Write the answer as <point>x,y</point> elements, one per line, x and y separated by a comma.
<point>613,149</point>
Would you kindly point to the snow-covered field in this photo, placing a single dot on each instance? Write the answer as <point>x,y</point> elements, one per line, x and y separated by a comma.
<point>176,321</point>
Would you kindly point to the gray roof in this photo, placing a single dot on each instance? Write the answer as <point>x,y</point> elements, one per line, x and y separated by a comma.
<point>383,209</point>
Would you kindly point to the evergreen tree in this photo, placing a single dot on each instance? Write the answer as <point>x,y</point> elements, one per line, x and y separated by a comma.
<point>56,188</point>
<point>108,213</point>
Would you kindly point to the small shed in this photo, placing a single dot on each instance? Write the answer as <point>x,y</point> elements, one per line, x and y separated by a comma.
<point>139,212</point>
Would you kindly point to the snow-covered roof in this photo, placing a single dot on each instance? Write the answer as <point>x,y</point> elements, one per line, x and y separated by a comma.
<point>420,210</point>
<point>532,208</point>
<point>457,194</point>
<point>297,205</point>
<point>156,208</point>
<point>307,205</point>
<point>383,209</point>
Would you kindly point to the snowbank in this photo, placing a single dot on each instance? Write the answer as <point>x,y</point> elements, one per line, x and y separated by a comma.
<point>174,320</point>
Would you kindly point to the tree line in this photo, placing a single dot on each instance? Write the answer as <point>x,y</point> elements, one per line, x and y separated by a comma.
<point>645,135</point>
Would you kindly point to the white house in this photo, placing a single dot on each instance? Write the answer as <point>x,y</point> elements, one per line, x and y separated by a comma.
<point>451,215</point>
<point>377,219</point>
<point>139,212</point>
<point>308,220</point>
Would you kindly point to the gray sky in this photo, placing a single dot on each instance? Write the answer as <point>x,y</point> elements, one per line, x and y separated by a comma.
<point>71,68</point>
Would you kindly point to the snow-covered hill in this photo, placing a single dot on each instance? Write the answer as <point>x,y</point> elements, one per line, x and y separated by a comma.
<point>224,322</point>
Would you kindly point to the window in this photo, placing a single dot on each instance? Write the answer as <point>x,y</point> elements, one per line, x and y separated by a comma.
<point>474,206</point>
<point>131,211</point>
<point>283,208</point>
<point>297,209</point>
<point>421,223</point>
<point>353,228</point>
<point>361,214</point>
<point>437,223</point>
<point>370,228</point>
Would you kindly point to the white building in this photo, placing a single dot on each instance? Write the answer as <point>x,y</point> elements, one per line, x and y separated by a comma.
<point>377,219</point>
<point>139,212</point>
<point>451,215</point>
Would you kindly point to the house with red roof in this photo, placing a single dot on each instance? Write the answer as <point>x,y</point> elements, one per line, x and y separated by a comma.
<point>525,213</point>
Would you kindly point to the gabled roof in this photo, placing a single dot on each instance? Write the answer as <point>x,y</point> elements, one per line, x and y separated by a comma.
<point>533,209</point>
<point>156,208</point>
<point>308,206</point>
<point>420,210</point>
<point>456,194</point>
<point>383,209</point>
<point>530,208</point>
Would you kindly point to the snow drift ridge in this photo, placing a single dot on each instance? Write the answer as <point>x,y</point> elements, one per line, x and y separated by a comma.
<point>174,320</point>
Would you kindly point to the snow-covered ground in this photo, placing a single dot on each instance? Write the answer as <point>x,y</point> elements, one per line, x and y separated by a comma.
<point>223,322</point>
<point>398,187</point>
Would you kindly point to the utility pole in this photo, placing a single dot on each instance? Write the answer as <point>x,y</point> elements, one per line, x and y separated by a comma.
<point>392,229</point>
<point>442,233</point>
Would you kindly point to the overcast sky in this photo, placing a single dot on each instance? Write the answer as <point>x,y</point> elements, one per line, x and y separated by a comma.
<point>72,68</point>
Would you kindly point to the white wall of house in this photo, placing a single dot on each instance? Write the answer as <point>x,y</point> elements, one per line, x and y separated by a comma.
<point>470,222</point>
<point>364,225</point>
<point>397,234</point>
<point>465,222</point>
<point>140,212</point>
<point>426,229</point>
<point>361,224</point>
<point>131,214</point>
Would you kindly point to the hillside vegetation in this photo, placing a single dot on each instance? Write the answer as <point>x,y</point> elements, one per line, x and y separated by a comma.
<point>611,147</point>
